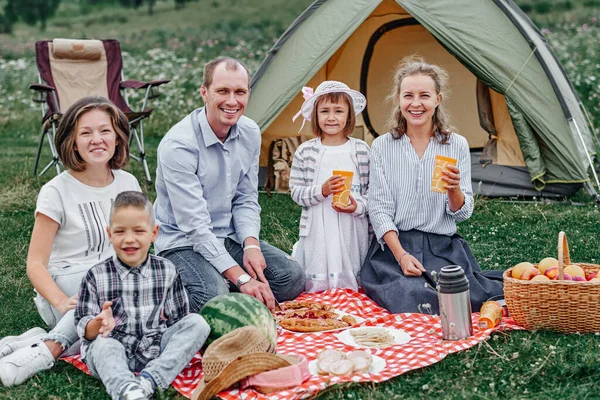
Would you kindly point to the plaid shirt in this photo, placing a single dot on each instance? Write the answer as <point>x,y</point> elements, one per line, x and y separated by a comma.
<point>146,301</point>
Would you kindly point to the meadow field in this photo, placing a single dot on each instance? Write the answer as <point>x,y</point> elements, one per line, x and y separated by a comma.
<point>175,44</point>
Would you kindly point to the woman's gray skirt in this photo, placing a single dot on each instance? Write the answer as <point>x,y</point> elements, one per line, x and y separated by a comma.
<point>384,282</point>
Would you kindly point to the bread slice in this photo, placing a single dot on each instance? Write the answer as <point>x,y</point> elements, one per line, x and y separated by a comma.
<point>341,367</point>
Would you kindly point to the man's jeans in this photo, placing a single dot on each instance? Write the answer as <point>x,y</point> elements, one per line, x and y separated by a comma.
<point>203,282</point>
<point>106,358</point>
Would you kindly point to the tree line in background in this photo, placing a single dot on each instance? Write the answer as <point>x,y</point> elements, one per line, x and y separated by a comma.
<point>33,12</point>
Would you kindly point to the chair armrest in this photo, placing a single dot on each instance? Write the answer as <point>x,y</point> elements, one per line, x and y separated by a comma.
<point>41,87</point>
<point>130,84</point>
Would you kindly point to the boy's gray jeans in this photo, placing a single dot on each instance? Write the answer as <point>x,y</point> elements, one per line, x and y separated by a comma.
<point>106,358</point>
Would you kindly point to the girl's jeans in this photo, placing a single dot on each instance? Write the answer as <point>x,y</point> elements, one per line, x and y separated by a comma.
<point>63,330</point>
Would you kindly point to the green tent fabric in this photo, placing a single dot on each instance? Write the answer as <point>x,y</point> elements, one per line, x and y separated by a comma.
<point>498,53</point>
<point>300,52</point>
<point>493,39</point>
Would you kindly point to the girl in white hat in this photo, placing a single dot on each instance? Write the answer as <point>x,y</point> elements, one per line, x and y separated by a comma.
<point>334,235</point>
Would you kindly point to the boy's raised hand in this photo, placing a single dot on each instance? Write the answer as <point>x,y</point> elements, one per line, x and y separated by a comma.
<point>106,319</point>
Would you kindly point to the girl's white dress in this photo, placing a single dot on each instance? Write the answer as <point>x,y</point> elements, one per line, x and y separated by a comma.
<point>337,244</point>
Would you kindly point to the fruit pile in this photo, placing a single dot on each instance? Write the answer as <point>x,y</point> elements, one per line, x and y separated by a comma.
<point>547,270</point>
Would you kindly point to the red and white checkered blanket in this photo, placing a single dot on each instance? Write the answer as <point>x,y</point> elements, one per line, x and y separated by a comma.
<point>426,346</point>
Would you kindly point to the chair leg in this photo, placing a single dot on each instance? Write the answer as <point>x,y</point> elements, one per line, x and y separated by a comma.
<point>47,167</point>
<point>139,140</point>
<point>146,169</point>
<point>55,159</point>
<point>39,151</point>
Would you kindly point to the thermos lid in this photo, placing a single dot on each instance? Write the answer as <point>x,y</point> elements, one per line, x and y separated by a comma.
<point>452,279</point>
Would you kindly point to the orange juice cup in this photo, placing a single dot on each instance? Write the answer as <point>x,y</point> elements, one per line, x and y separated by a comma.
<point>343,198</point>
<point>441,163</point>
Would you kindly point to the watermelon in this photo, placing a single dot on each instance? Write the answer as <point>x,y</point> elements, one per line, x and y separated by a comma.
<point>228,312</point>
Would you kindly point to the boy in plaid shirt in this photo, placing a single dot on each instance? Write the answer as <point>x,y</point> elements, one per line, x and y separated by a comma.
<point>133,311</point>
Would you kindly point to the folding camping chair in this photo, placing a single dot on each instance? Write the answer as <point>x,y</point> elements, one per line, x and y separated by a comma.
<point>71,69</point>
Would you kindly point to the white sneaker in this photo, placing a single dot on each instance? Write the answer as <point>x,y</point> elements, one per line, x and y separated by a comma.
<point>25,363</point>
<point>9,344</point>
<point>147,386</point>
<point>132,391</point>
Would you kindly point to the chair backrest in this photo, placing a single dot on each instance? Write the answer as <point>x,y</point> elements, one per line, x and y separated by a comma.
<point>79,68</point>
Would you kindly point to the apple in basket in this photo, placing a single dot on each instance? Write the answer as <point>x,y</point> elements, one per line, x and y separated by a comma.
<point>546,263</point>
<point>518,269</point>
<point>551,272</point>
<point>566,277</point>
<point>530,273</point>
<point>591,276</point>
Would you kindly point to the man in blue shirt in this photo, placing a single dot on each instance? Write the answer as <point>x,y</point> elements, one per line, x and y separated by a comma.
<point>207,198</point>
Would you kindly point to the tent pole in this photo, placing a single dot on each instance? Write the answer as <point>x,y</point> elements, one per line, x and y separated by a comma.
<point>589,121</point>
<point>587,153</point>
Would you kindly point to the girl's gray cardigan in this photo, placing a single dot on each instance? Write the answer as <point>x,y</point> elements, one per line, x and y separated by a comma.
<point>305,168</point>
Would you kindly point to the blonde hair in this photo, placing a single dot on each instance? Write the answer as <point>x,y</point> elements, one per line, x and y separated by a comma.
<point>411,66</point>
<point>334,97</point>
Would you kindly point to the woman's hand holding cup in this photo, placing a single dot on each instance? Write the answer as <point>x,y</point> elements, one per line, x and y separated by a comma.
<point>451,175</point>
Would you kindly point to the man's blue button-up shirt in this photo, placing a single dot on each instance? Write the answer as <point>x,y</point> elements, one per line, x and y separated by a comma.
<point>207,190</point>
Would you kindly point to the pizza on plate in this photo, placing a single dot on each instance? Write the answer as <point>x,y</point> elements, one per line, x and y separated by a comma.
<point>305,316</point>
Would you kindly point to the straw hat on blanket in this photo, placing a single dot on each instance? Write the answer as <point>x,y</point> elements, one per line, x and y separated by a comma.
<point>239,354</point>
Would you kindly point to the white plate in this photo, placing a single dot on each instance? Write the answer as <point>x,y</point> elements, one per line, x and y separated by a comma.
<point>400,337</point>
<point>376,367</point>
<point>341,315</point>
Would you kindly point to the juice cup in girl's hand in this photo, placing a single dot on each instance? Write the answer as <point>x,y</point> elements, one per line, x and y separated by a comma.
<point>342,198</point>
<point>441,163</point>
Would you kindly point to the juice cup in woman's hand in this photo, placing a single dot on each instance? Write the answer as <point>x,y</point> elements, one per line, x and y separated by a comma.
<point>342,198</point>
<point>441,164</point>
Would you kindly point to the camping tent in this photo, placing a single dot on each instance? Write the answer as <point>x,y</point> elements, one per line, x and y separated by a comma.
<point>510,97</point>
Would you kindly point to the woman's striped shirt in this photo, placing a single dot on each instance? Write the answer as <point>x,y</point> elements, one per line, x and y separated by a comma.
<point>400,196</point>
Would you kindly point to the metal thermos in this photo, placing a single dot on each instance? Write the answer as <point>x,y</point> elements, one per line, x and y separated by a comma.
<point>455,303</point>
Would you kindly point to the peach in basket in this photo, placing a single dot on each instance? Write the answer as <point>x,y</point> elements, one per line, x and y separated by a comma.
<point>530,273</point>
<point>546,263</point>
<point>575,271</point>
<point>518,269</point>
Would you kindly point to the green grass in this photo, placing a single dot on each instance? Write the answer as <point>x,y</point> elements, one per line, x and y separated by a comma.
<point>533,365</point>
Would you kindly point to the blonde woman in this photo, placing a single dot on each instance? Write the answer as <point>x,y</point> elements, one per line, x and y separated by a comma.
<point>415,227</point>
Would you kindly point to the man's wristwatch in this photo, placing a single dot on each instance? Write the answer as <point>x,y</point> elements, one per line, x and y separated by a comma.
<point>243,279</point>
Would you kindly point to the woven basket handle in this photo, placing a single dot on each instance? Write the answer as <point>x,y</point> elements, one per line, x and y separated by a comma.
<point>563,254</point>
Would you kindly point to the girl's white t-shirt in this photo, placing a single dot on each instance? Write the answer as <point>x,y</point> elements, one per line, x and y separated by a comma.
<point>82,212</point>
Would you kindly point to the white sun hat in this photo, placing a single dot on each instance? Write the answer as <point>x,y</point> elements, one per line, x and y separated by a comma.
<point>359,101</point>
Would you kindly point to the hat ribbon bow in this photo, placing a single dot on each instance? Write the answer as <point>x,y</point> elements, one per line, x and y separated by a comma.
<point>307,93</point>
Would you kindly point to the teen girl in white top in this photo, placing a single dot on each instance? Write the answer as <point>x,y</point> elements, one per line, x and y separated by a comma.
<point>69,233</point>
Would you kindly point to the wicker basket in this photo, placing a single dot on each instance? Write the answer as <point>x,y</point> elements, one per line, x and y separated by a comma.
<point>564,306</point>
